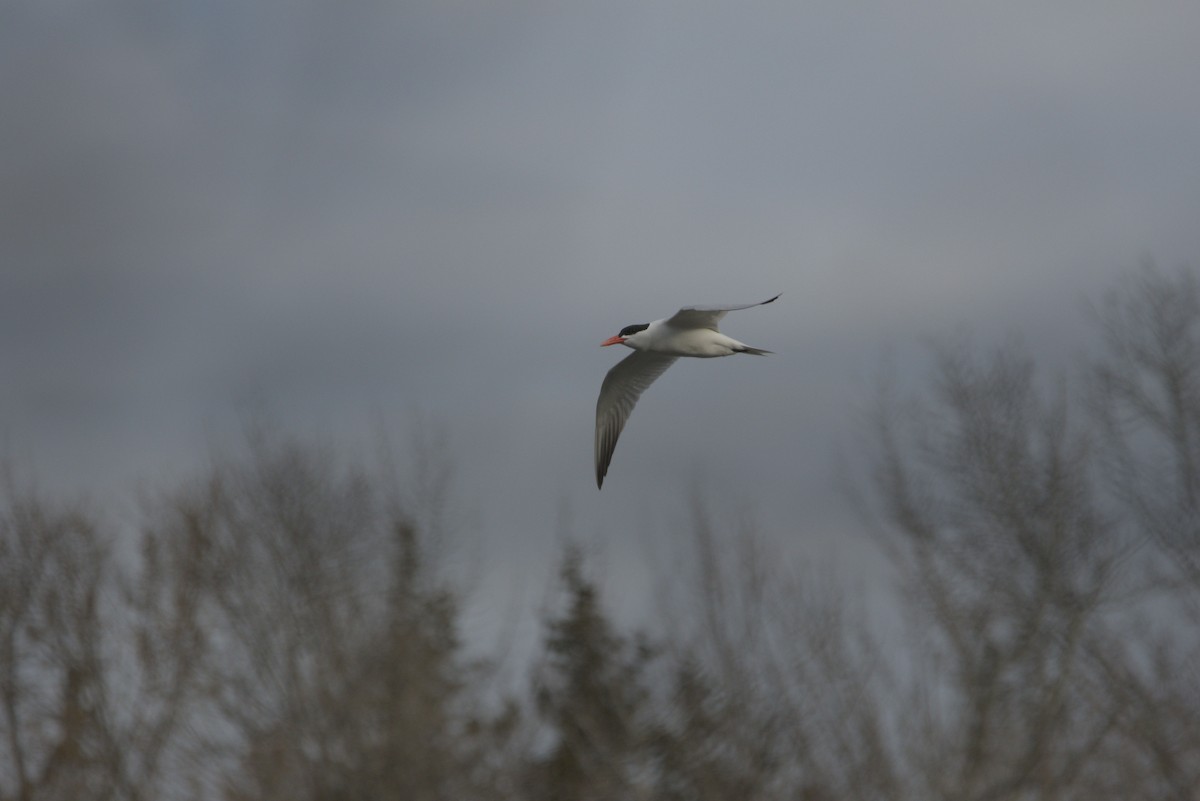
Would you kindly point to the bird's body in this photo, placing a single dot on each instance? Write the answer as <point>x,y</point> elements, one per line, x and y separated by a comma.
<point>690,332</point>
<point>702,343</point>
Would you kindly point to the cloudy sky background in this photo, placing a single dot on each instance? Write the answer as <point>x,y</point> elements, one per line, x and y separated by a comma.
<point>349,216</point>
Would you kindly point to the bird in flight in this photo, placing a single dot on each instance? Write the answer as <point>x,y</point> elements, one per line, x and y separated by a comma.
<point>689,332</point>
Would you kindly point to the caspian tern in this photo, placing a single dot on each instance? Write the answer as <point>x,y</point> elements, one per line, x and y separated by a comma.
<point>691,331</point>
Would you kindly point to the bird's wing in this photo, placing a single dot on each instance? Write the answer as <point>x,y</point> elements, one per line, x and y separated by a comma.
<point>622,387</point>
<point>707,316</point>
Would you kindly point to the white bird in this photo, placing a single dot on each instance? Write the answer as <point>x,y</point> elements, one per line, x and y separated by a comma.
<point>691,331</point>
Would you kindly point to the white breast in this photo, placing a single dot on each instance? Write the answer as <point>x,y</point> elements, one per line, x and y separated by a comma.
<point>701,343</point>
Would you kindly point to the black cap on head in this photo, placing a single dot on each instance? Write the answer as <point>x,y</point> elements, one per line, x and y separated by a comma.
<point>630,330</point>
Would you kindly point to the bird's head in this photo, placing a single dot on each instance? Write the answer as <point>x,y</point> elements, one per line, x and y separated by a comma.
<point>630,336</point>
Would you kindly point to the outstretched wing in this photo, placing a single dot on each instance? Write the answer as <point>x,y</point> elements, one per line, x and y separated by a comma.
<point>707,316</point>
<point>622,387</point>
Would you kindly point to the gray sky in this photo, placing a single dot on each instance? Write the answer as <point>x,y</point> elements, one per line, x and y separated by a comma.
<point>346,213</point>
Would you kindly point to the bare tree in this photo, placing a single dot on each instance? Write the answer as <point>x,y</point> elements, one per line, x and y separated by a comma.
<point>1145,397</point>
<point>54,739</point>
<point>1008,560</point>
<point>778,686</point>
<point>327,645</point>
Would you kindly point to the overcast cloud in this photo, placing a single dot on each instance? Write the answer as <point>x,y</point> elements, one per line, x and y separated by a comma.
<point>344,212</point>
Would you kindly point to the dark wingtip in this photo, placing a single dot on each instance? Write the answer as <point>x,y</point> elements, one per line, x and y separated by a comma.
<point>772,300</point>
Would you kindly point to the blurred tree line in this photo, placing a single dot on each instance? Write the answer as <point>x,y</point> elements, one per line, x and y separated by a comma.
<point>284,630</point>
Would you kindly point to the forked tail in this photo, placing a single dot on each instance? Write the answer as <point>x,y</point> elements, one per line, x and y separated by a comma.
<point>754,351</point>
